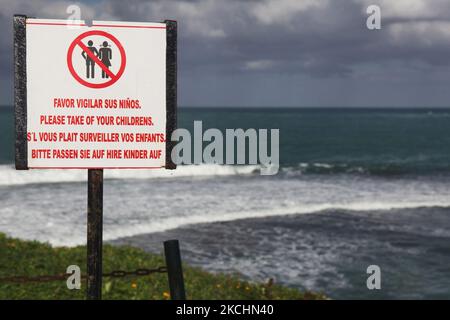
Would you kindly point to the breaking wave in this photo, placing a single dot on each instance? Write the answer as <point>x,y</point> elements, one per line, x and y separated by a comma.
<point>9,176</point>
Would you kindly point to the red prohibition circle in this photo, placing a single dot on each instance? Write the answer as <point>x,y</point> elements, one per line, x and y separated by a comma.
<point>77,41</point>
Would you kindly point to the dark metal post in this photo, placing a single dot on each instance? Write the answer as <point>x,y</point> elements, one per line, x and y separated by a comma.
<point>94,234</point>
<point>174,270</point>
<point>20,91</point>
<point>171,89</point>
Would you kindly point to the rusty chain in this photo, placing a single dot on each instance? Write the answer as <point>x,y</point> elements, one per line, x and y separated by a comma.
<point>137,272</point>
<point>64,276</point>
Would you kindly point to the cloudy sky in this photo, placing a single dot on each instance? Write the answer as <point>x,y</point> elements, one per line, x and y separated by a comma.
<point>283,52</point>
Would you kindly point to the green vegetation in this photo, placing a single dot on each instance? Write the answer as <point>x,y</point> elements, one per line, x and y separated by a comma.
<point>31,258</point>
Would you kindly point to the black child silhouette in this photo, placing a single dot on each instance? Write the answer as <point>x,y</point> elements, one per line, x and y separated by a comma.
<point>90,64</point>
<point>105,55</point>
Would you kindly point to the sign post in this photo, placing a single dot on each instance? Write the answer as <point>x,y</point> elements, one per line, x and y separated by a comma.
<point>94,234</point>
<point>94,97</point>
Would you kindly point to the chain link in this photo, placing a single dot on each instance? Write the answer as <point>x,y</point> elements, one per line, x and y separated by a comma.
<point>56,277</point>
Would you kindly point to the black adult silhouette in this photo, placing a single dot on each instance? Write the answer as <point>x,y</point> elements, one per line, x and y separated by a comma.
<point>90,64</point>
<point>105,54</point>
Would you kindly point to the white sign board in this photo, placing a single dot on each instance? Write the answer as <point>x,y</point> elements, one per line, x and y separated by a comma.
<point>96,95</point>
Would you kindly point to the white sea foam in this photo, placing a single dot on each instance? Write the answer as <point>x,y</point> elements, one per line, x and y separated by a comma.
<point>67,236</point>
<point>176,222</point>
<point>9,176</point>
<point>56,212</point>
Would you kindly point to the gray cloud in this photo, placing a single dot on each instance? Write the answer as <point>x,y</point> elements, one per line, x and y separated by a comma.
<point>286,52</point>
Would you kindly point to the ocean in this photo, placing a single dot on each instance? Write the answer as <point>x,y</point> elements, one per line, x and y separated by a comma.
<point>356,187</point>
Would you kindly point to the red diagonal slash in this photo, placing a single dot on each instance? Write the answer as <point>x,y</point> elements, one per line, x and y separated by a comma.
<point>96,60</point>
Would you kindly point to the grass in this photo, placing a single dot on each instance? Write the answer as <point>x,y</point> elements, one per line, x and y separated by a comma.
<point>31,258</point>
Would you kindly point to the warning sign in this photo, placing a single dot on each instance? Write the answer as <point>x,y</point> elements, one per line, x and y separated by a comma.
<point>100,58</point>
<point>99,96</point>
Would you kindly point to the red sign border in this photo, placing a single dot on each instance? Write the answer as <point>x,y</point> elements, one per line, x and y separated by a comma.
<point>84,82</point>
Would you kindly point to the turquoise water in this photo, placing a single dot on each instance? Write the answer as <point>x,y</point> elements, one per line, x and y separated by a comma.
<point>6,135</point>
<point>376,141</point>
<point>379,141</point>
